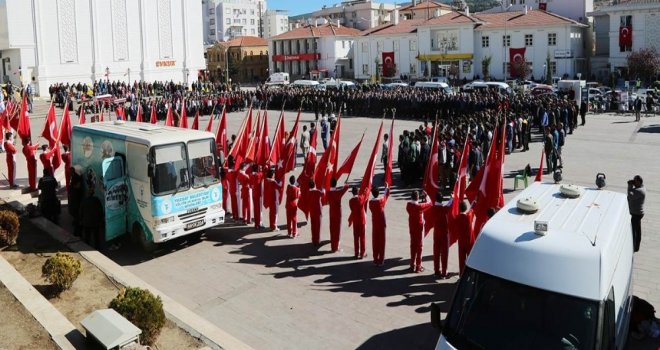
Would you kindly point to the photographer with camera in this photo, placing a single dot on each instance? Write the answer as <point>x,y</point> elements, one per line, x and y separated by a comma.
<point>636,196</point>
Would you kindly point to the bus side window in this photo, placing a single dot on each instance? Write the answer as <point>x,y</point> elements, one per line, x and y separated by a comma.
<point>609,322</point>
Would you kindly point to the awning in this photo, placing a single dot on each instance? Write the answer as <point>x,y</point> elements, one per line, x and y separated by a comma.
<point>320,70</point>
<point>445,57</point>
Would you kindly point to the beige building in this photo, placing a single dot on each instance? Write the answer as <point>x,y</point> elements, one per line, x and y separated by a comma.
<point>243,59</point>
<point>424,10</point>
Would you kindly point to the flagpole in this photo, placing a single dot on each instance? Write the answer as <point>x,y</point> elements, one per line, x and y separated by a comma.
<point>348,177</point>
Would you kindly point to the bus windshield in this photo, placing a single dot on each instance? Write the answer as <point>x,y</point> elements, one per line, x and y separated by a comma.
<point>170,164</point>
<point>202,162</point>
<point>492,313</point>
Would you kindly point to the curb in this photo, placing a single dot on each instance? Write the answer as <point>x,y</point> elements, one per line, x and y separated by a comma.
<point>61,330</point>
<point>198,327</point>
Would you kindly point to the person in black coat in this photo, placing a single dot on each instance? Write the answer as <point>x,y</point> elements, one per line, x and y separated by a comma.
<point>75,196</point>
<point>91,219</point>
<point>49,204</point>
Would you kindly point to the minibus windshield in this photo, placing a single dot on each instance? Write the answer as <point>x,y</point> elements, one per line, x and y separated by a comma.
<point>492,313</point>
<point>170,164</point>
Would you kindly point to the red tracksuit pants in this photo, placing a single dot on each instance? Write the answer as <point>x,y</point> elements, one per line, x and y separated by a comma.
<point>440,250</point>
<point>11,168</point>
<point>378,246</point>
<point>464,247</point>
<point>335,230</point>
<point>315,223</point>
<point>245,206</point>
<point>272,215</point>
<point>235,214</point>
<point>416,243</point>
<point>32,173</point>
<point>359,239</point>
<point>256,206</point>
<point>292,219</point>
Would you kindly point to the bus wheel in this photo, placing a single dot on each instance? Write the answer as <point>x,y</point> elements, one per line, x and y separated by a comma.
<point>139,237</point>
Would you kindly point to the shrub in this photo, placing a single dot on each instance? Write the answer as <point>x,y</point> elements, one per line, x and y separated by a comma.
<point>9,227</point>
<point>143,309</point>
<point>61,270</point>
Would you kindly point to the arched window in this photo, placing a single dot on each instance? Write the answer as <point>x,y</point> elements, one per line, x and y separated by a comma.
<point>261,53</point>
<point>251,53</point>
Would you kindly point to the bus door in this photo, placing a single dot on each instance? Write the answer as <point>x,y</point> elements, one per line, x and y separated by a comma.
<point>116,196</point>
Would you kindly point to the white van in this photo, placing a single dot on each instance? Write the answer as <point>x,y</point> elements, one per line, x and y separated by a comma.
<point>305,83</point>
<point>278,79</point>
<point>556,278</point>
<point>434,85</point>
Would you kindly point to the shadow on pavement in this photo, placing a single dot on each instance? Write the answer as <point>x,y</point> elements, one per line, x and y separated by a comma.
<point>421,336</point>
<point>651,129</point>
<point>339,272</point>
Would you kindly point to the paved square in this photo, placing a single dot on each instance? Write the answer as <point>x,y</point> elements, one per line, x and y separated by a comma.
<point>273,292</point>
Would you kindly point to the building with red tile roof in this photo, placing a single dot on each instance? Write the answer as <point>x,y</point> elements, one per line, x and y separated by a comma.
<point>243,59</point>
<point>424,10</point>
<point>320,49</point>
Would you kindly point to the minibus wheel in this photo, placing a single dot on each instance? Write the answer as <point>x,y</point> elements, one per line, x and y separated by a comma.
<point>139,237</point>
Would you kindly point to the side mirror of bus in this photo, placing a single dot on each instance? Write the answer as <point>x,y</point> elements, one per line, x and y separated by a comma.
<point>150,170</point>
<point>436,319</point>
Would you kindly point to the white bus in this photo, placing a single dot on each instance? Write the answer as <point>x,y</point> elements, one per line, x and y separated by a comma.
<point>551,270</point>
<point>155,182</point>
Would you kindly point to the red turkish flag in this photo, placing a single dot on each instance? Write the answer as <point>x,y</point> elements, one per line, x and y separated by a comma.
<point>368,177</point>
<point>250,154</point>
<point>169,120</point>
<point>153,119</point>
<point>539,173</point>
<point>183,121</point>
<point>139,114</point>
<point>276,155</point>
<point>430,183</point>
<point>388,166</point>
<point>195,123</point>
<point>221,134</point>
<point>50,132</point>
<point>388,63</point>
<point>81,117</point>
<point>516,55</point>
<point>347,166</point>
<point>65,127</point>
<point>290,148</point>
<point>307,173</point>
<point>625,36</point>
<point>24,120</point>
<point>240,146</point>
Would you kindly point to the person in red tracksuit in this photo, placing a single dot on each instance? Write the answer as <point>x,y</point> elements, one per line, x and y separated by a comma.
<point>246,193</point>
<point>29,151</point>
<point>232,179</point>
<point>440,235</point>
<point>256,179</point>
<point>292,195</point>
<point>66,159</point>
<point>378,224</point>
<point>225,188</point>
<point>464,231</point>
<point>334,201</point>
<point>46,158</point>
<point>272,199</point>
<point>416,210</point>
<point>315,205</point>
<point>358,218</point>
<point>11,160</point>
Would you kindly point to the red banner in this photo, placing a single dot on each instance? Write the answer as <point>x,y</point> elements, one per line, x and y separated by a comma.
<point>388,64</point>
<point>300,57</point>
<point>516,55</point>
<point>625,36</point>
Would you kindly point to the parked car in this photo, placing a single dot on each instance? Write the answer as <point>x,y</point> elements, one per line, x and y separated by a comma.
<point>540,89</point>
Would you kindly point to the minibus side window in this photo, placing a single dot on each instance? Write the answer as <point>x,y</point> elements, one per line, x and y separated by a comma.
<point>609,328</point>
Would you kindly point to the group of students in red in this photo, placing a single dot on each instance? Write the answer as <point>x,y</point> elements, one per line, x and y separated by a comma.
<point>445,231</point>
<point>247,193</point>
<point>29,150</point>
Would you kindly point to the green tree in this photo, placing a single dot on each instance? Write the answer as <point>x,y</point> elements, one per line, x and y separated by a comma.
<point>485,66</point>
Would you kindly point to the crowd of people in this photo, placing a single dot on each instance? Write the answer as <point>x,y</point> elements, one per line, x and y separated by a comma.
<point>459,117</point>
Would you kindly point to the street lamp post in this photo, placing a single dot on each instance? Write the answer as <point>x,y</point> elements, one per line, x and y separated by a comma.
<point>226,65</point>
<point>506,43</point>
<point>129,76</point>
<point>107,74</point>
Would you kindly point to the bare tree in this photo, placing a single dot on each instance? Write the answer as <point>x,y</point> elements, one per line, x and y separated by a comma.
<point>643,64</point>
<point>522,69</point>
